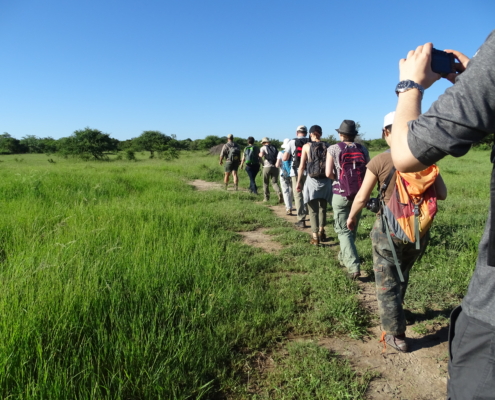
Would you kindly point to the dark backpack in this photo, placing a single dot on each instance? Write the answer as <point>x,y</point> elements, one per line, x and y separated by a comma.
<point>352,169</point>
<point>317,160</point>
<point>234,153</point>
<point>271,154</point>
<point>296,157</point>
<point>251,154</point>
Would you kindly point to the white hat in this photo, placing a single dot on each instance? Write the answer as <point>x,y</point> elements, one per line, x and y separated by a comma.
<point>389,119</point>
<point>286,142</point>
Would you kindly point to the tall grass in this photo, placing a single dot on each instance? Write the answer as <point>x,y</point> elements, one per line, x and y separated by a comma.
<point>119,281</point>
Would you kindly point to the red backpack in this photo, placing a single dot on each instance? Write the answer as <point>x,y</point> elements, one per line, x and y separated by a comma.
<point>352,169</point>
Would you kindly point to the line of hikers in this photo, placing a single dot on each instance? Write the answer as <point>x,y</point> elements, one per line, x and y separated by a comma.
<point>314,174</point>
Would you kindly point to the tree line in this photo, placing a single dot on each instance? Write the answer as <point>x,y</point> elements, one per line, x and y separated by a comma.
<point>91,143</point>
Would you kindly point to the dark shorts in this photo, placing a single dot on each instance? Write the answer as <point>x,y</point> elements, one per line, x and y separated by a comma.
<point>231,166</point>
<point>472,358</point>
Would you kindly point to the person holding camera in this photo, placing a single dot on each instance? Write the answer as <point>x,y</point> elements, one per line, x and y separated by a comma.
<point>390,291</point>
<point>463,115</point>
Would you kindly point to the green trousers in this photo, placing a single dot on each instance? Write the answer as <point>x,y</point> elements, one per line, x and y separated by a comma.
<point>317,214</point>
<point>348,255</point>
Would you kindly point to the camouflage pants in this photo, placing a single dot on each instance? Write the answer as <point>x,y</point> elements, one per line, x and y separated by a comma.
<point>390,291</point>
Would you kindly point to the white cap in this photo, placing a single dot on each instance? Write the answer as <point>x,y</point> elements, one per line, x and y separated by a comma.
<point>389,119</point>
<point>286,142</point>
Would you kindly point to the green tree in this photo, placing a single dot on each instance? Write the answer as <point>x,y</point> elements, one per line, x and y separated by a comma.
<point>34,144</point>
<point>9,145</point>
<point>152,141</point>
<point>88,142</point>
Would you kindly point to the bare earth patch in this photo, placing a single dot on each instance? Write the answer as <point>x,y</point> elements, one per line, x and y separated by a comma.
<point>260,239</point>
<point>420,374</point>
<point>203,185</point>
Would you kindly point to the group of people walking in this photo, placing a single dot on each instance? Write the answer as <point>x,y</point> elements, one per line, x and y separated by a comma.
<point>313,176</point>
<point>406,204</point>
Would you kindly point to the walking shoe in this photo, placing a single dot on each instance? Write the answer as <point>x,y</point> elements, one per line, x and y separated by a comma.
<point>314,240</point>
<point>397,342</point>
<point>280,198</point>
<point>300,224</point>
<point>353,275</point>
<point>288,212</point>
<point>322,236</point>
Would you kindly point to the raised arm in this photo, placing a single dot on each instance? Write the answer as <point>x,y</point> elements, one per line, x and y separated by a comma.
<point>416,67</point>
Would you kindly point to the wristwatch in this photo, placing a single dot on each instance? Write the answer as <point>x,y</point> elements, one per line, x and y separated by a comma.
<point>404,86</point>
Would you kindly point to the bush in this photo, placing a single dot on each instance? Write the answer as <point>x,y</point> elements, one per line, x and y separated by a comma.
<point>130,155</point>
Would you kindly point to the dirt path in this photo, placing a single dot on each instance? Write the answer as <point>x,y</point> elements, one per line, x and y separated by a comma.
<point>420,374</point>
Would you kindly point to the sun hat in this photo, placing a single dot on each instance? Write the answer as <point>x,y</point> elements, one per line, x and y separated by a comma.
<point>230,136</point>
<point>286,142</point>
<point>265,140</point>
<point>389,119</point>
<point>347,127</point>
<point>302,128</point>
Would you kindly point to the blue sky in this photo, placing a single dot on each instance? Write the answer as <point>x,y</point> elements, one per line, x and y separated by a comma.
<point>197,67</point>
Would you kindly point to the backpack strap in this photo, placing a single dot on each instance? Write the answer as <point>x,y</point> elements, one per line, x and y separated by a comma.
<point>383,189</point>
<point>391,243</point>
<point>385,184</point>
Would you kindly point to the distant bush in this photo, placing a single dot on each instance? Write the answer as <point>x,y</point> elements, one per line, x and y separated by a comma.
<point>130,155</point>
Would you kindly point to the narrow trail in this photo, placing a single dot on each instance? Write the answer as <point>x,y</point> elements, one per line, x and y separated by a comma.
<point>420,374</point>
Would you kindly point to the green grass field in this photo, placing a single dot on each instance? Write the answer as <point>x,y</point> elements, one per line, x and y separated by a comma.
<point>119,281</point>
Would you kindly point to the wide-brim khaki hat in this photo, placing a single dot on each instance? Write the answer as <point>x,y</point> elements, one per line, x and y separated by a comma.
<point>265,140</point>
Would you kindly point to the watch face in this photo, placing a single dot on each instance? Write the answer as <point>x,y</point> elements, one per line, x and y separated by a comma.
<point>404,86</point>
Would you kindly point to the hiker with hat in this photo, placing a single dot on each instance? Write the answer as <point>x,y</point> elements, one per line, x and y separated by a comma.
<point>232,154</point>
<point>285,181</point>
<point>317,189</point>
<point>251,158</point>
<point>270,171</point>
<point>346,165</point>
<point>293,153</point>
<point>390,286</point>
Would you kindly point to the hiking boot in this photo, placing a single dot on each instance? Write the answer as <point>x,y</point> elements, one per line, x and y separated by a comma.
<point>288,212</point>
<point>322,236</point>
<point>397,342</point>
<point>280,198</point>
<point>300,224</point>
<point>314,240</point>
<point>353,275</point>
<point>236,188</point>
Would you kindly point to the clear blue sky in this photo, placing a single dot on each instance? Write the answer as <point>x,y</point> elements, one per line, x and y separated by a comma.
<point>197,67</point>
